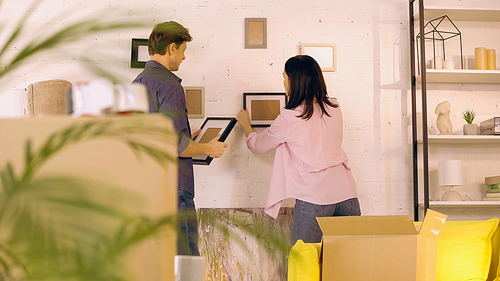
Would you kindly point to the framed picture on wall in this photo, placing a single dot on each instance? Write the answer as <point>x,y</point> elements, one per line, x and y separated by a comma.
<point>211,127</point>
<point>264,107</point>
<point>139,54</point>
<point>195,101</point>
<point>255,33</point>
<point>324,54</point>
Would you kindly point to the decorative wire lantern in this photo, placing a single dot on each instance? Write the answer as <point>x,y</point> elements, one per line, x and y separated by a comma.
<point>437,34</point>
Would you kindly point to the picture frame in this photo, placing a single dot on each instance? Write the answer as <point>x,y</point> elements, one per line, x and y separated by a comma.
<point>139,53</point>
<point>195,101</point>
<point>211,127</point>
<point>264,107</point>
<point>255,33</point>
<point>325,54</point>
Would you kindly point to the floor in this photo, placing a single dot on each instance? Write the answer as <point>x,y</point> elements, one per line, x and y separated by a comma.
<point>233,253</point>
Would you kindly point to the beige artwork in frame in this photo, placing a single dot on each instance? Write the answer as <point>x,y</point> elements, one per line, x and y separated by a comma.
<point>195,102</point>
<point>255,33</point>
<point>325,54</point>
<point>263,108</point>
<point>211,127</point>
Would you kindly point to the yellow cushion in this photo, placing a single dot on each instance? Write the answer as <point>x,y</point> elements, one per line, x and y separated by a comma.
<point>303,262</point>
<point>464,251</point>
<point>495,259</point>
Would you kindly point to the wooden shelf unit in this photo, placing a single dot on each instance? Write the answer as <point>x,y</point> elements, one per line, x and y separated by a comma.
<point>461,14</point>
<point>457,76</point>
<point>468,76</point>
<point>462,139</point>
<point>464,203</point>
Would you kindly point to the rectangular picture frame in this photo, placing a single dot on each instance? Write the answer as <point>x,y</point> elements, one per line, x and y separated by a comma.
<point>255,33</point>
<point>211,127</point>
<point>195,101</point>
<point>264,107</point>
<point>324,53</point>
<point>139,55</point>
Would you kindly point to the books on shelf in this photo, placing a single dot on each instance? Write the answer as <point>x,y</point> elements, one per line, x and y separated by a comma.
<point>493,190</point>
<point>492,197</point>
<point>493,193</point>
<point>495,180</point>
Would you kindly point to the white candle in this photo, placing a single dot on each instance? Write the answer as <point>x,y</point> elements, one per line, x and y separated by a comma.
<point>438,60</point>
<point>449,64</point>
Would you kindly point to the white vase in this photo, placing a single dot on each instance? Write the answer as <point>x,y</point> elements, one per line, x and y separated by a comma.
<point>189,268</point>
<point>470,129</point>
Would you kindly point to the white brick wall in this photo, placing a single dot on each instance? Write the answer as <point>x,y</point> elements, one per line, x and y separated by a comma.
<point>372,81</point>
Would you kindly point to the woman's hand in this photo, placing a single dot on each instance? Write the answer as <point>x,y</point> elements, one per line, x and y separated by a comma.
<point>243,119</point>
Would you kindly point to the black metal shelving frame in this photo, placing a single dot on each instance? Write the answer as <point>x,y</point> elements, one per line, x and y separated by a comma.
<point>425,139</point>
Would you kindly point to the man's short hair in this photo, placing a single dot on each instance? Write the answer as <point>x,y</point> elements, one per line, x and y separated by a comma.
<point>164,34</point>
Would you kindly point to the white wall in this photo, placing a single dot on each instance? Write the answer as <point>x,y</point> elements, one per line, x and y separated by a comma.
<point>371,83</point>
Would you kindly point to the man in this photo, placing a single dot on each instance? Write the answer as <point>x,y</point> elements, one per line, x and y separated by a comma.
<point>166,46</point>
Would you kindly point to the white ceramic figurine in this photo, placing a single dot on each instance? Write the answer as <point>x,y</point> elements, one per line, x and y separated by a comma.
<point>443,120</point>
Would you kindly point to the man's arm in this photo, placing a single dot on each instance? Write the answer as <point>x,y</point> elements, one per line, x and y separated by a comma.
<point>213,148</point>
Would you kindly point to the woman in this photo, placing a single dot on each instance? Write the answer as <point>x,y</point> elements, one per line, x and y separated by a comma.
<point>310,164</point>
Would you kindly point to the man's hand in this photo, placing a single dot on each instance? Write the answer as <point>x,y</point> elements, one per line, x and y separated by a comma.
<point>215,147</point>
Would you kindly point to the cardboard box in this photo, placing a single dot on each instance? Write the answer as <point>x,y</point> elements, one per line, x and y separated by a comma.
<point>490,126</point>
<point>110,161</point>
<point>380,248</point>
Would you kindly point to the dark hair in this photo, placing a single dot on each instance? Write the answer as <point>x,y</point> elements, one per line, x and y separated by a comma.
<point>166,33</point>
<point>307,85</point>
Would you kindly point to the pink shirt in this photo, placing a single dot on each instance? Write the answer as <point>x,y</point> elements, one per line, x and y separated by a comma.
<point>309,163</point>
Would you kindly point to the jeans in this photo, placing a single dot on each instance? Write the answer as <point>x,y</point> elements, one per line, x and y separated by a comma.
<point>187,223</point>
<point>305,225</point>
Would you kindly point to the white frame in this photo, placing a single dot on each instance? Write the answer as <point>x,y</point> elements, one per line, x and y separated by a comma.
<point>325,54</point>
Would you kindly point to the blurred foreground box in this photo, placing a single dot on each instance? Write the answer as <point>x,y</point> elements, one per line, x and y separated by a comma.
<point>111,161</point>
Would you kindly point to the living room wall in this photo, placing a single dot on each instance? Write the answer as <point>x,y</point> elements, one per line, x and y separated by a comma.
<point>371,82</point>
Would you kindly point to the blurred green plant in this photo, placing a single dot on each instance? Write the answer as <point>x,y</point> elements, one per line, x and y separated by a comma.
<point>64,227</point>
<point>469,116</point>
<point>59,227</point>
<point>48,39</point>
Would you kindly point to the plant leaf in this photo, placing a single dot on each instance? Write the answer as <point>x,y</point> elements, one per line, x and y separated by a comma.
<point>20,25</point>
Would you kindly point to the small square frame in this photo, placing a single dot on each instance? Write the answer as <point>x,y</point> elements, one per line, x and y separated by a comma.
<point>195,101</point>
<point>255,33</point>
<point>262,121</point>
<point>134,54</point>
<point>325,54</point>
<point>211,127</point>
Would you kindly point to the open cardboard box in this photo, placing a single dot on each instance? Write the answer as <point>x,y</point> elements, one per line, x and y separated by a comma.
<point>380,248</point>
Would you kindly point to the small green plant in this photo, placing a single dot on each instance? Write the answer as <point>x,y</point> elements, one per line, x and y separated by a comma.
<point>469,116</point>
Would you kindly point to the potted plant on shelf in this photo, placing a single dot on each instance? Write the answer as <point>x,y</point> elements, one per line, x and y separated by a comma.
<point>469,128</point>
